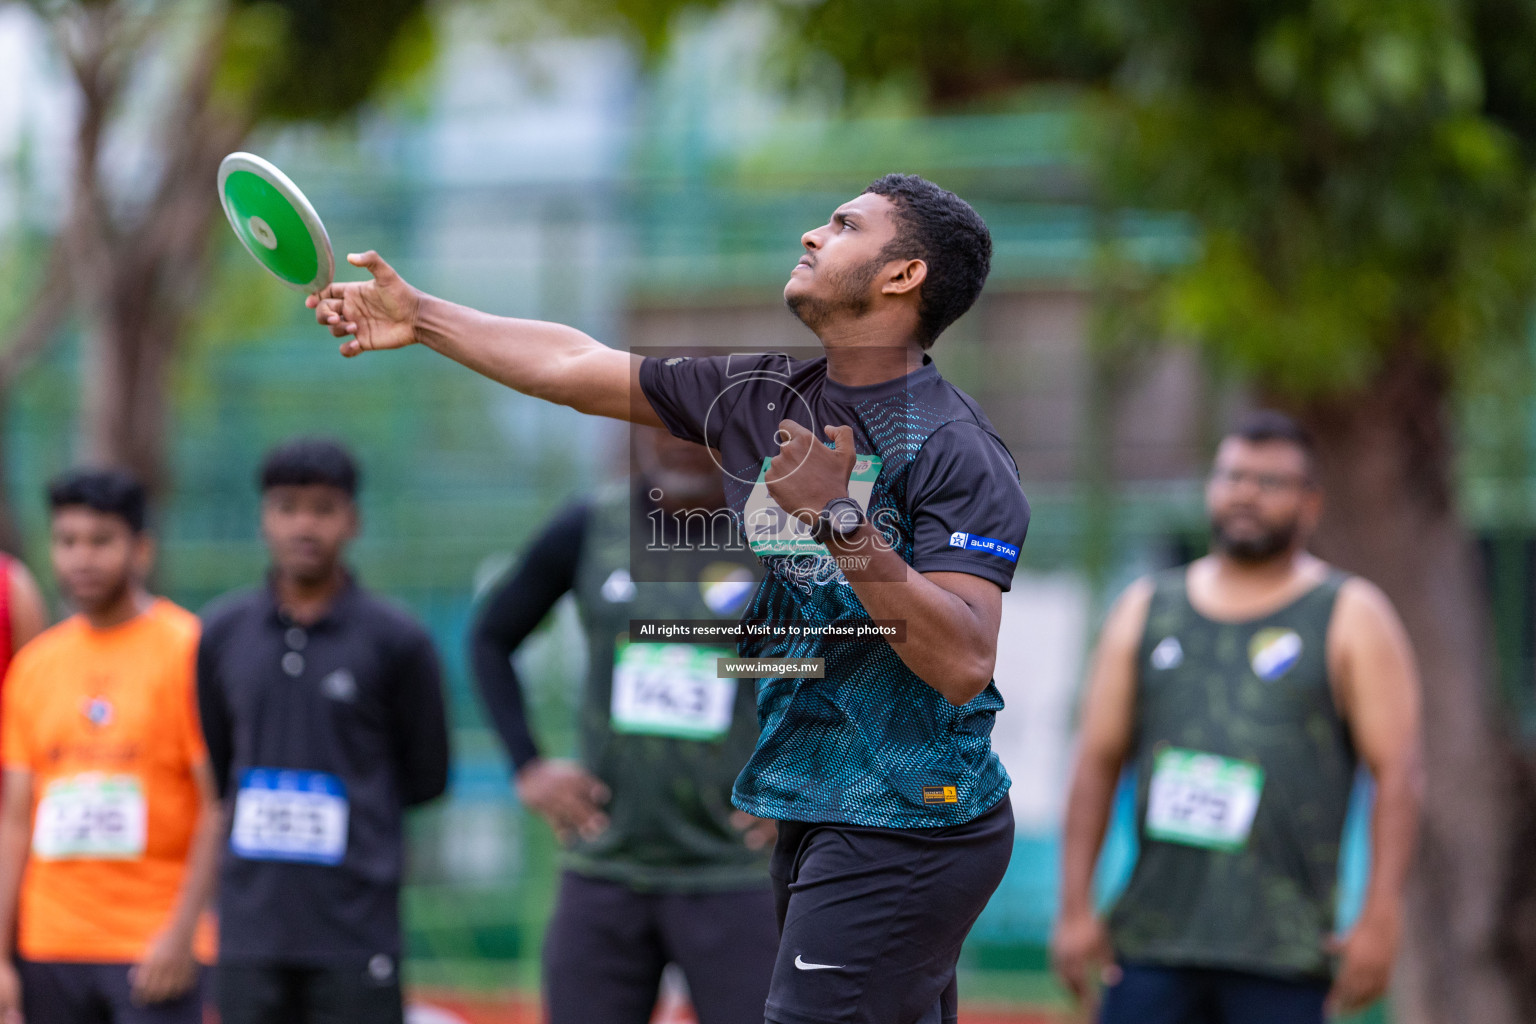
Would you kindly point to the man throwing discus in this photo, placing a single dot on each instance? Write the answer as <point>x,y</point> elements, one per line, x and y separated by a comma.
<point>870,488</point>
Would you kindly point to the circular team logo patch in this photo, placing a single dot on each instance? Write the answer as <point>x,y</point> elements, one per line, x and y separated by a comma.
<point>725,587</point>
<point>97,711</point>
<point>1273,652</point>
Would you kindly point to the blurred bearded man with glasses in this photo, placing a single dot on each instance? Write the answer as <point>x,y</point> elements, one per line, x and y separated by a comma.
<point>1243,690</point>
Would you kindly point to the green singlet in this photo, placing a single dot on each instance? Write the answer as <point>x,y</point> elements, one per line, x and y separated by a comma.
<point>1244,771</point>
<point>657,725</point>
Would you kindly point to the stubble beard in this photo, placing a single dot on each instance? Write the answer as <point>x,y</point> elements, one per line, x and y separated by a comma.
<point>1255,550</point>
<point>849,298</point>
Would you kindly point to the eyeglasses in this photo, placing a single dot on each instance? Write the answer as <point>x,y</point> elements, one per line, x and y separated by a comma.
<point>1267,483</point>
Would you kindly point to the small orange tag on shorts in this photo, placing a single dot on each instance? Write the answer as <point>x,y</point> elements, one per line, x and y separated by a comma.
<point>940,795</point>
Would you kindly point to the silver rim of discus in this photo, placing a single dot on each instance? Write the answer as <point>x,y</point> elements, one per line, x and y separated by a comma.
<point>325,270</point>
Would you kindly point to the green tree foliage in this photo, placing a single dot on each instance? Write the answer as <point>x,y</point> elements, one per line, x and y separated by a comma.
<point>321,59</point>
<point>1361,170</point>
<point>195,77</point>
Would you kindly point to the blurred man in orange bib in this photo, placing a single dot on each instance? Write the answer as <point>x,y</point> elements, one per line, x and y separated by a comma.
<point>108,828</point>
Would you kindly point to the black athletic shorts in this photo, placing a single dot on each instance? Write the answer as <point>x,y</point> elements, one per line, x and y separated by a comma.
<point>607,945</point>
<point>94,993</point>
<point>270,993</point>
<point>1151,994</point>
<point>871,919</point>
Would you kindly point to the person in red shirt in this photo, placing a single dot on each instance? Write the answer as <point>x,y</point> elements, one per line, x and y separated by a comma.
<point>109,827</point>
<point>22,611</point>
<point>23,614</point>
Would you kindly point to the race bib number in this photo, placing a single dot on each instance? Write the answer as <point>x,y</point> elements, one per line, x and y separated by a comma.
<point>772,531</point>
<point>1202,799</point>
<point>671,690</point>
<point>290,815</point>
<point>91,816</point>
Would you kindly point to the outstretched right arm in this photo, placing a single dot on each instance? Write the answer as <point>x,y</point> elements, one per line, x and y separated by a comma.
<point>545,360</point>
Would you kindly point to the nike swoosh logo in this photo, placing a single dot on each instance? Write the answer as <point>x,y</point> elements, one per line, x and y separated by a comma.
<point>816,967</point>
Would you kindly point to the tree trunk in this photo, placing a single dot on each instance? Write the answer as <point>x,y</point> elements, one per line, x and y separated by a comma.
<point>1387,469</point>
<point>125,406</point>
<point>1517,925</point>
<point>151,273</point>
<point>11,541</point>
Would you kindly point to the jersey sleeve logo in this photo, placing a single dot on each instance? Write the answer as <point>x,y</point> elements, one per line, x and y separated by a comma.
<point>971,542</point>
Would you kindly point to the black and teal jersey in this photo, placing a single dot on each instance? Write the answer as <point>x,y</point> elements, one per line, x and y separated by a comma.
<point>870,743</point>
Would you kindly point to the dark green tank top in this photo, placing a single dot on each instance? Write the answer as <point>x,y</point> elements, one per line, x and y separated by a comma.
<point>1244,769</point>
<point>671,747</point>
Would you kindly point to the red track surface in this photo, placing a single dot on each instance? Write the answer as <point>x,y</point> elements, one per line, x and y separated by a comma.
<point>519,1009</point>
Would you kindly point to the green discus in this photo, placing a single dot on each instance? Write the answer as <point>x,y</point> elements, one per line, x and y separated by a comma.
<point>275,222</point>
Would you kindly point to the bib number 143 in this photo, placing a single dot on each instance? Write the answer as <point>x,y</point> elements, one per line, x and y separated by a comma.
<point>671,690</point>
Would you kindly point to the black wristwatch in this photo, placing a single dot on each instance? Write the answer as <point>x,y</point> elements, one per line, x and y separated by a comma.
<point>840,519</point>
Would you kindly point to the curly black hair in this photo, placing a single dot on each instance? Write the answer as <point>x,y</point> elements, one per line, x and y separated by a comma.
<point>938,227</point>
